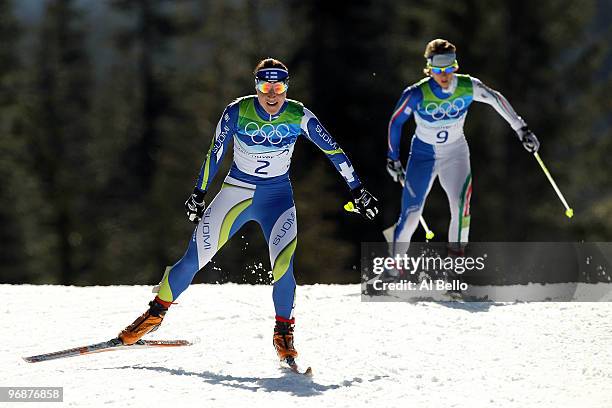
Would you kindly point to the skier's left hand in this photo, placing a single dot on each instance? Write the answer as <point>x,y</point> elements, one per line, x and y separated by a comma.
<point>365,203</point>
<point>194,206</point>
<point>529,140</point>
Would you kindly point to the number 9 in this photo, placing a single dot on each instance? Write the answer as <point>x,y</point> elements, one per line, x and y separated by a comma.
<point>442,136</point>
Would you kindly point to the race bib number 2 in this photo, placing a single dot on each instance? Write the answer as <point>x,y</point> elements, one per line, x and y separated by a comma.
<point>264,165</point>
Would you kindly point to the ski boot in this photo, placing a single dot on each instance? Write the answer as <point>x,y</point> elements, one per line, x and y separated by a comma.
<point>455,293</point>
<point>455,250</point>
<point>394,275</point>
<point>148,322</point>
<point>283,341</point>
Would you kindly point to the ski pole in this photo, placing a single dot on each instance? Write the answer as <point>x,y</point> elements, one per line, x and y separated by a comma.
<point>428,233</point>
<point>568,211</point>
<point>350,207</point>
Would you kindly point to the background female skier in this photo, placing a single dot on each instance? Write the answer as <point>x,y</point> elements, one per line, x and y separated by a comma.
<point>439,149</point>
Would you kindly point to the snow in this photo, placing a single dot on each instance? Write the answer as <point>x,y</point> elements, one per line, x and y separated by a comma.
<point>382,354</point>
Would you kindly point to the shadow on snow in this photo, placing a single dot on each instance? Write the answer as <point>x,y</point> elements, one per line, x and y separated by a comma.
<point>291,383</point>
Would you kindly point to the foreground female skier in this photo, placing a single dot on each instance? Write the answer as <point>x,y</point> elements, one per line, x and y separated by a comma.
<point>264,128</point>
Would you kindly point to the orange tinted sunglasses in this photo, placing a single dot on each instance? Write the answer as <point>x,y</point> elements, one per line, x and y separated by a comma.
<point>267,87</point>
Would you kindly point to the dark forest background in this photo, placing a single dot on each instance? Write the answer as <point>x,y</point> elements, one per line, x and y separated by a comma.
<point>107,109</point>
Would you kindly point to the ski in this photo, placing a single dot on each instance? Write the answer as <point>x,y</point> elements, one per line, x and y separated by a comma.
<point>110,345</point>
<point>290,364</point>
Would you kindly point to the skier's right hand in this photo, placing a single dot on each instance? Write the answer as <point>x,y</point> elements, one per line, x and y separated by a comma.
<point>195,205</point>
<point>395,169</point>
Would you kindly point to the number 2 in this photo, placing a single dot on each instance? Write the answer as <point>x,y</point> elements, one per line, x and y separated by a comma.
<point>442,136</point>
<point>260,168</point>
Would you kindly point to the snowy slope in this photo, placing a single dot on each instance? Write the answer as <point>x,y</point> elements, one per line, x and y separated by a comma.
<point>363,354</point>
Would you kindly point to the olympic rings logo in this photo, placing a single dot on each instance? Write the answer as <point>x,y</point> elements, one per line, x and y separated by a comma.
<point>445,109</point>
<point>273,134</point>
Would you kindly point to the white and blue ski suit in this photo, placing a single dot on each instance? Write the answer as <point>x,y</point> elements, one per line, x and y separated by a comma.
<point>257,188</point>
<point>439,149</point>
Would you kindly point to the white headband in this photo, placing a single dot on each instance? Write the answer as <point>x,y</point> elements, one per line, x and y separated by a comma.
<point>442,60</point>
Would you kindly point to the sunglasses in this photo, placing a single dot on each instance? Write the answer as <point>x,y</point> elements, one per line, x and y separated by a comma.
<point>447,69</point>
<point>267,87</point>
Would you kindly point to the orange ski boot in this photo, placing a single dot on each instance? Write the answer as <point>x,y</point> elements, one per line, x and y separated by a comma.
<point>283,340</point>
<point>148,322</point>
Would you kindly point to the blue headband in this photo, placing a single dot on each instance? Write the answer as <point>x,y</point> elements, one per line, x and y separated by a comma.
<point>272,74</point>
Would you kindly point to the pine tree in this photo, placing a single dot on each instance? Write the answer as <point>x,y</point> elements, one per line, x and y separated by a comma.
<point>13,265</point>
<point>140,109</point>
<point>57,134</point>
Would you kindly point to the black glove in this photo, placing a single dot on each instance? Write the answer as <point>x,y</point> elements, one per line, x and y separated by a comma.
<point>195,205</point>
<point>529,140</point>
<point>395,169</point>
<point>365,202</point>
